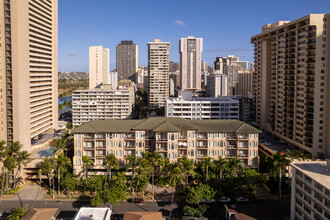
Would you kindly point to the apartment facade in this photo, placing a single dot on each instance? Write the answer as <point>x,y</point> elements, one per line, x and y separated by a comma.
<point>127,59</point>
<point>99,65</point>
<point>173,138</point>
<point>291,82</point>
<point>310,191</point>
<point>158,76</point>
<point>190,50</point>
<point>201,108</point>
<point>28,70</point>
<point>216,85</point>
<point>244,82</point>
<point>88,105</point>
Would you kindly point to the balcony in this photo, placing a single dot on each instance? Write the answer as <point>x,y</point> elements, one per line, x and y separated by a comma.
<point>230,137</point>
<point>129,136</point>
<point>231,146</point>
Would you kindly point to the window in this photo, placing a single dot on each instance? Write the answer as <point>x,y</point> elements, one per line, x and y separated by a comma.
<point>78,144</point>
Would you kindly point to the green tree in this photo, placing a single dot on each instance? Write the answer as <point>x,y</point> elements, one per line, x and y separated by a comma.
<point>69,183</point>
<point>87,162</point>
<point>235,165</point>
<point>154,159</point>
<point>62,162</point>
<point>188,168</point>
<point>2,156</point>
<point>111,161</point>
<point>280,163</point>
<point>10,164</point>
<point>206,164</point>
<point>177,176</point>
<point>47,167</point>
<point>23,158</point>
<point>116,190</point>
<point>143,174</point>
<point>59,145</point>
<point>132,163</point>
<point>221,164</point>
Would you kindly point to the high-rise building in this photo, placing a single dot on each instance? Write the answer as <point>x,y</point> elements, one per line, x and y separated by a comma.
<point>174,66</point>
<point>310,190</point>
<point>190,49</point>
<point>220,63</point>
<point>140,77</point>
<point>291,82</point>
<point>99,65</point>
<point>127,59</point>
<point>112,80</point>
<point>158,78</point>
<point>88,105</point>
<point>217,85</point>
<point>28,70</point>
<point>204,67</point>
<point>244,82</point>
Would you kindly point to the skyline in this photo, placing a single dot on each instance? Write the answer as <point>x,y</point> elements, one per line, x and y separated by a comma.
<point>224,31</point>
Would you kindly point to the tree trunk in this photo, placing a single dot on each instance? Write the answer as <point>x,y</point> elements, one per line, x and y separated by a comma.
<point>132,181</point>
<point>50,181</point>
<point>2,181</point>
<point>58,181</point>
<point>153,176</point>
<point>280,183</point>
<point>54,186</point>
<point>207,172</point>
<point>7,181</point>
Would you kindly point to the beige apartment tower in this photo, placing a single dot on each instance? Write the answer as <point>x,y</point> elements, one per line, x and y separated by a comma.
<point>127,60</point>
<point>291,82</point>
<point>158,76</point>
<point>28,69</point>
<point>99,65</point>
<point>190,62</point>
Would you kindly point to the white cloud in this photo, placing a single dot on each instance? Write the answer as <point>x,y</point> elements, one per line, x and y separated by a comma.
<point>72,54</point>
<point>179,22</point>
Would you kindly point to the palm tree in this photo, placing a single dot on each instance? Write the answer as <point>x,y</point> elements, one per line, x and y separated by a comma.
<point>280,163</point>
<point>132,163</point>
<point>23,158</point>
<point>62,162</point>
<point>59,145</point>
<point>47,167</point>
<point>221,165</point>
<point>154,160</point>
<point>111,161</point>
<point>235,165</point>
<point>10,164</point>
<point>177,176</point>
<point>143,173</point>
<point>206,164</point>
<point>188,168</point>
<point>87,162</point>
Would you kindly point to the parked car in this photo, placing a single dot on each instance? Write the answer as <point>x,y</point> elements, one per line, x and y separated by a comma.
<point>135,200</point>
<point>208,201</point>
<point>225,199</point>
<point>242,199</point>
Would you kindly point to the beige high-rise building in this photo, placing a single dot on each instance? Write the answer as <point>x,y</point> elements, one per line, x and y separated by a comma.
<point>99,65</point>
<point>158,77</point>
<point>190,49</point>
<point>291,82</point>
<point>28,69</point>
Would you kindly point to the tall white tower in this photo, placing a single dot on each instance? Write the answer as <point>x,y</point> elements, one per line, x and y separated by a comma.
<point>99,65</point>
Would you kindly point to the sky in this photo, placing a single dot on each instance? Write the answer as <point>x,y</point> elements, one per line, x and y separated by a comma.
<point>225,26</point>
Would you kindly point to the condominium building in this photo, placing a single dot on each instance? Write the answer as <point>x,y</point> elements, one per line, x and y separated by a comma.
<point>158,78</point>
<point>246,107</point>
<point>141,77</point>
<point>127,59</point>
<point>244,82</point>
<point>291,82</point>
<point>28,70</point>
<point>112,80</point>
<point>199,108</point>
<point>190,49</point>
<point>89,105</point>
<point>204,67</point>
<point>220,62</point>
<point>173,138</point>
<point>99,65</point>
<point>217,85</point>
<point>310,190</point>
<point>174,66</point>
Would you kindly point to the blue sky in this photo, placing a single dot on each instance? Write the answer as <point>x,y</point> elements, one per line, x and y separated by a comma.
<point>225,26</point>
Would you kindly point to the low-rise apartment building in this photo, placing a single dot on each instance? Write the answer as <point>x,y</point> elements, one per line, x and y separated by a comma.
<point>199,108</point>
<point>88,105</point>
<point>173,138</point>
<point>310,192</point>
